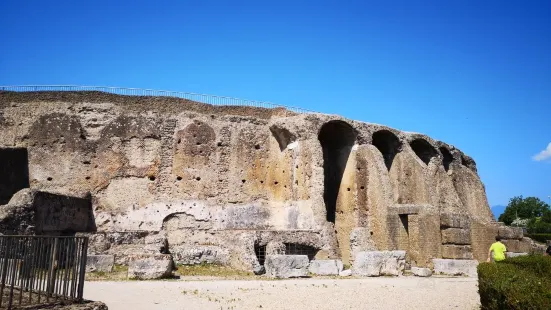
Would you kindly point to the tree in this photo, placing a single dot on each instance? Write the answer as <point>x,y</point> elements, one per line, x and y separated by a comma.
<point>525,208</point>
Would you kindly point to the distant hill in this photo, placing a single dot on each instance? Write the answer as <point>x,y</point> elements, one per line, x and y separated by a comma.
<point>497,210</point>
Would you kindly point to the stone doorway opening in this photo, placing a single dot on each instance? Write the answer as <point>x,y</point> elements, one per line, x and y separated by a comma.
<point>14,172</point>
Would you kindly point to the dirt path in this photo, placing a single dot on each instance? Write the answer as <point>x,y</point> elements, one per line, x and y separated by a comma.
<point>371,293</point>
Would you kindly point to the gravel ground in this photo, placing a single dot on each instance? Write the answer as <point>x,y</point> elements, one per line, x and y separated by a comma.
<point>370,293</point>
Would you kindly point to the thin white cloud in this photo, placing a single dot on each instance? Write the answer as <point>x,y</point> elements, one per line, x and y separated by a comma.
<point>543,155</point>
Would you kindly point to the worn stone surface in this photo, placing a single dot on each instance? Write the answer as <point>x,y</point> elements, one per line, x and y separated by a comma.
<point>507,232</point>
<point>325,267</point>
<point>149,267</point>
<point>375,263</point>
<point>421,272</point>
<point>215,183</point>
<point>345,273</point>
<point>511,254</point>
<point>100,263</point>
<point>455,267</point>
<point>286,266</point>
<point>454,220</point>
<point>457,251</point>
<point>459,236</point>
<point>35,212</point>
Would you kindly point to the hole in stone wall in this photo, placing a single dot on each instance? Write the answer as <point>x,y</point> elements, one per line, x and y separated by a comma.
<point>336,139</point>
<point>300,249</point>
<point>362,187</point>
<point>243,181</point>
<point>198,178</point>
<point>283,136</point>
<point>87,178</point>
<point>151,178</point>
<point>260,252</point>
<point>257,147</point>
<point>219,143</point>
<point>49,178</point>
<point>14,169</point>
<point>388,144</point>
<point>447,157</point>
<point>179,178</point>
<point>276,182</point>
<point>261,182</point>
<point>424,150</point>
<point>348,189</point>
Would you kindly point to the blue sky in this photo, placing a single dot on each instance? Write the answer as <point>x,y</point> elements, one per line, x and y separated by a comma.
<point>476,74</point>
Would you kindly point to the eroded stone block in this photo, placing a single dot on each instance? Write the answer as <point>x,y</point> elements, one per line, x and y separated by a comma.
<point>421,272</point>
<point>325,267</point>
<point>508,232</point>
<point>100,263</point>
<point>511,254</point>
<point>459,236</point>
<point>286,266</point>
<point>455,267</point>
<point>512,245</point>
<point>208,254</point>
<point>454,220</point>
<point>150,266</point>
<point>377,263</point>
<point>457,251</point>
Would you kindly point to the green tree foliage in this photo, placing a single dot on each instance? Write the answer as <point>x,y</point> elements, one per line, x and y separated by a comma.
<point>526,208</point>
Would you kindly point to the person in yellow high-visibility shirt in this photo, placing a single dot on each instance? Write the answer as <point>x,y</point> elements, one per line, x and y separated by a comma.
<point>498,249</point>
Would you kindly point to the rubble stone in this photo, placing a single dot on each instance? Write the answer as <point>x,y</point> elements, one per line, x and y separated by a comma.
<point>100,263</point>
<point>421,272</point>
<point>150,266</point>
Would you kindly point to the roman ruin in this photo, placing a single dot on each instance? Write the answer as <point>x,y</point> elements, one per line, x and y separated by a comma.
<point>232,184</point>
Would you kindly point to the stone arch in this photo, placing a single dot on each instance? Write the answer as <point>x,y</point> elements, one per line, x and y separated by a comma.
<point>336,139</point>
<point>447,157</point>
<point>388,144</point>
<point>424,150</point>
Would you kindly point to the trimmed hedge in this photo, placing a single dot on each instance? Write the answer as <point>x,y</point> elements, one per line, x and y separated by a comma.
<point>539,237</point>
<point>518,283</point>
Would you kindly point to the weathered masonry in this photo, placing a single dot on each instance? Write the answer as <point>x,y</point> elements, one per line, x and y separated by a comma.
<point>231,184</point>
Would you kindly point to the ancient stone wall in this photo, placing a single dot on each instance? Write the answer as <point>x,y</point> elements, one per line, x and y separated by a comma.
<point>217,184</point>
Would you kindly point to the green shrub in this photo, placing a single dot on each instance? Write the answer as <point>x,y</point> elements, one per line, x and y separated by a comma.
<point>539,237</point>
<point>537,264</point>
<point>519,283</point>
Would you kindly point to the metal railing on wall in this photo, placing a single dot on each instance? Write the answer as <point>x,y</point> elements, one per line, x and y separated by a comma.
<point>36,270</point>
<point>209,99</point>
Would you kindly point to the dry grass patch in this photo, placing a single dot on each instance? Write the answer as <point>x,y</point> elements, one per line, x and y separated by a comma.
<point>211,270</point>
<point>119,273</point>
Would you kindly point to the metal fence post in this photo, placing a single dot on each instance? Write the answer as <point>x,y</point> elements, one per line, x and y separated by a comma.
<point>82,269</point>
<point>52,270</point>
